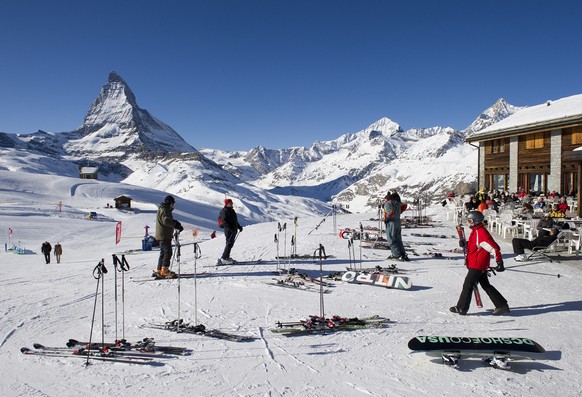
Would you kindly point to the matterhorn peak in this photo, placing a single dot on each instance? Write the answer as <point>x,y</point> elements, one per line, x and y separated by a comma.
<point>116,126</point>
<point>115,101</point>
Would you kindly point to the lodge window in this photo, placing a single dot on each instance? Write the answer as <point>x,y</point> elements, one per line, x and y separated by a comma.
<point>534,141</point>
<point>497,146</point>
<point>577,137</point>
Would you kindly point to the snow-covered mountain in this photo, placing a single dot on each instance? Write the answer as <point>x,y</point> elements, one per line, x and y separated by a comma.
<point>115,127</point>
<point>500,110</point>
<point>354,170</point>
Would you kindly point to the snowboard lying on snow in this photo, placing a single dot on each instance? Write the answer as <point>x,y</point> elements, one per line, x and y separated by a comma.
<point>377,279</point>
<point>495,351</point>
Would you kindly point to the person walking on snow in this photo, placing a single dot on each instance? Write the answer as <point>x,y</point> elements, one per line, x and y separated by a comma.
<point>480,247</point>
<point>165,225</point>
<point>46,250</point>
<point>392,209</point>
<point>58,252</point>
<point>228,220</point>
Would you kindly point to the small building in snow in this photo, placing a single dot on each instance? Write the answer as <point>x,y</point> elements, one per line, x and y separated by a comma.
<point>123,202</point>
<point>88,172</point>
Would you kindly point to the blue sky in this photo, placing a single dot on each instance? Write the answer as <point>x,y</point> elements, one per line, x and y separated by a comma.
<point>237,74</point>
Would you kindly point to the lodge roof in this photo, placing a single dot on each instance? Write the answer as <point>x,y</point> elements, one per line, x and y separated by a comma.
<point>561,113</point>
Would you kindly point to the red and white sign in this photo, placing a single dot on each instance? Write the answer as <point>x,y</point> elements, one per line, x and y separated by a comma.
<point>118,233</point>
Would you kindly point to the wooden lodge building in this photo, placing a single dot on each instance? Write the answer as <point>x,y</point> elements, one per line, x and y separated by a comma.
<point>534,149</point>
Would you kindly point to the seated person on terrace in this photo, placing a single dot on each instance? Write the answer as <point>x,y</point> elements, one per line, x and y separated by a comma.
<point>556,212</point>
<point>545,223</point>
<point>540,203</point>
<point>563,204</point>
<point>520,244</point>
<point>472,204</point>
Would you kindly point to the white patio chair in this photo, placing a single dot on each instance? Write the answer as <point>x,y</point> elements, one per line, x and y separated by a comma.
<point>574,242</point>
<point>530,230</point>
<point>508,225</point>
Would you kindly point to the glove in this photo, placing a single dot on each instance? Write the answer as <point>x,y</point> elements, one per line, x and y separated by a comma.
<point>240,228</point>
<point>178,226</point>
<point>500,267</point>
<point>462,243</point>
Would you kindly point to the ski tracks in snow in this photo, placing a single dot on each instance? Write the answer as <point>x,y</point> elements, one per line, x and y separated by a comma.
<point>10,333</point>
<point>271,354</point>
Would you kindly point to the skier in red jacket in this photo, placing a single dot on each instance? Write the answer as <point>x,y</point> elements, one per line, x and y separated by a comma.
<point>480,247</point>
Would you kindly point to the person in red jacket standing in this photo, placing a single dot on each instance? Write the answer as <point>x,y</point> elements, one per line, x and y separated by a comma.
<point>480,247</point>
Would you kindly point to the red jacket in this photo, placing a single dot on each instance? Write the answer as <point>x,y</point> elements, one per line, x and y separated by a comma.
<point>480,247</point>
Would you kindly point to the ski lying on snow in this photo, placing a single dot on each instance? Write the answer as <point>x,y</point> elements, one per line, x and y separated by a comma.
<point>392,269</point>
<point>431,235</point>
<point>188,328</point>
<point>145,345</point>
<point>452,250</point>
<point>319,325</point>
<point>182,275</point>
<point>72,354</point>
<point>304,256</point>
<point>296,285</point>
<point>236,263</point>
<point>105,351</point>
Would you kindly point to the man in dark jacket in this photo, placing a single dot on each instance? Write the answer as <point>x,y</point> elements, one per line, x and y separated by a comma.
<point>165,225</point>
<point>393,207</point>
<point>46,250</point>
<point>229,222</point>
<point>543,240</point>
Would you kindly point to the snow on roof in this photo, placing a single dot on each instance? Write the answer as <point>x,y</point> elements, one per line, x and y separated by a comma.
<point>549,111</point>
<point>88,170</point>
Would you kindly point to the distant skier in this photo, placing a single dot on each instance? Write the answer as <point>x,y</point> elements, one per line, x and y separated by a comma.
<point>480,247</point>
<point>393,207</point>
<point>46,250</point>
<point>58,252</point>
<point>165,225</point>
<point>228,220</point>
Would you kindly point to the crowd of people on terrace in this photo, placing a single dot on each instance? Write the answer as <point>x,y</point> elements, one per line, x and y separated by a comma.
<point>533,202</point>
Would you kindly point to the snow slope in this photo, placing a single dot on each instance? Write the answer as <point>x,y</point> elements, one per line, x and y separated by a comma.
<point>52,303</point>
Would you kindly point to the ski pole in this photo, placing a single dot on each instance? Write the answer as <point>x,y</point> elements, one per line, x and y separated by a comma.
<point>123,267</point>
<point>197,255</point>
<point>276,240</point>
<point>320,252</point>
<point>103,306</point>
<point>285,239</point>
<point>294,249</point>
<point>98,272</point>
<point>350,252</point>
<point>361,238</point>
<point>177,255</point>
<point>115,290</point>
<point>334,220</point>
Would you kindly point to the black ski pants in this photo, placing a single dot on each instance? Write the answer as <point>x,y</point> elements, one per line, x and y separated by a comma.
<point>473,278</point>
<point>165,254</point>
<point>520,244</point>
<point>230,235</point>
